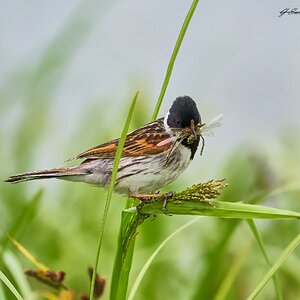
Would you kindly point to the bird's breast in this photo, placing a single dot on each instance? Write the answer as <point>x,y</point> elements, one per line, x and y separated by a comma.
<point>151,173</point>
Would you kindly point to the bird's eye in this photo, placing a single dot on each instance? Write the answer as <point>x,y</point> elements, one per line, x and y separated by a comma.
<point>178,122</point>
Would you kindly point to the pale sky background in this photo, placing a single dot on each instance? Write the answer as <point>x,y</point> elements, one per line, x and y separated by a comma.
<point>238,58</point>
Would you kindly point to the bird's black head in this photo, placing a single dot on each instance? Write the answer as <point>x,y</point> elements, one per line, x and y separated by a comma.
<point>182,112</point>
<point>184,115</point>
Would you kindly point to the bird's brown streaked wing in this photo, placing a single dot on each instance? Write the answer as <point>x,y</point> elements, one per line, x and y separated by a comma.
<point>148,140</point>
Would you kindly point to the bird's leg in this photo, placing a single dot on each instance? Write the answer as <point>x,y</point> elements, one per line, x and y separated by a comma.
<point>164,206</point>
<point>150,196</point>
<point>146,198</point>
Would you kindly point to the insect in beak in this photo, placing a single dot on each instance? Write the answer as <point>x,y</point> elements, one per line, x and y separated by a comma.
<point>201,137</point>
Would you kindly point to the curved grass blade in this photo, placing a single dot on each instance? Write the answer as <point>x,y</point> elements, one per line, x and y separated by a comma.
<point>11,287</point>
<point>2,294</point>
<point>28,255</point>
<point>289,249</point>
<point>15,268</point>
<point>181,35</point>
<point>264,253</point>
<point>146,266</point>
<point>111,188</point>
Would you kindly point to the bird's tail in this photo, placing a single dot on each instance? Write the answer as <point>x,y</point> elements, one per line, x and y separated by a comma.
<point>60,173</point>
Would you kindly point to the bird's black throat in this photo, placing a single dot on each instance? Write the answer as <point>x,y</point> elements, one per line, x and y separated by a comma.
<point>192,146</point>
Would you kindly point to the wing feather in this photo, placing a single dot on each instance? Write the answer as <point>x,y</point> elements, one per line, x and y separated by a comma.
<point>146,141</point>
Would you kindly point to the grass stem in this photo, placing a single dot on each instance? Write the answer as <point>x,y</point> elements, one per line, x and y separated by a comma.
<point>111,189</point>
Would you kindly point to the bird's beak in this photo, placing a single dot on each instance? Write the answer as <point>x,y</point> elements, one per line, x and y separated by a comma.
<point>193,129</point>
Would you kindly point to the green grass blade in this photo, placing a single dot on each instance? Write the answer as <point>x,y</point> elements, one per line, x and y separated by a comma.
<point>11,287</point>
<point>263,251</point>
<point>219,209</point>
<point>291,247</point>
<point>181,35</point>
<point>2,294</point>
<point>146,266</point>
<point>128,231</point>
<point>111,188</point>
<point>17,272</point>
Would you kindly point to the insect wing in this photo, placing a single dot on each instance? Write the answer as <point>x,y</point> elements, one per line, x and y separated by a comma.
<point>207,129</point>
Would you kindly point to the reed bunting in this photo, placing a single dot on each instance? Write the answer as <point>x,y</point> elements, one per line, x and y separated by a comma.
<point>153,155</point>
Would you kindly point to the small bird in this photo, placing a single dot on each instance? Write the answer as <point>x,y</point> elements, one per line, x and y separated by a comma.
<point>153,155</point>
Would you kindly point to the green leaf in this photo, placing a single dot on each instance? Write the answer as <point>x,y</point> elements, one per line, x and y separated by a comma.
<point>219,209</point>
<point>290,248</point>
<point>10,286</point>
<point>264,253</point>
<point>111,188</point>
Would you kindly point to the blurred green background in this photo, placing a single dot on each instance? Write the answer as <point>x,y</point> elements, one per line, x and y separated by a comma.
<point>68,73</point>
